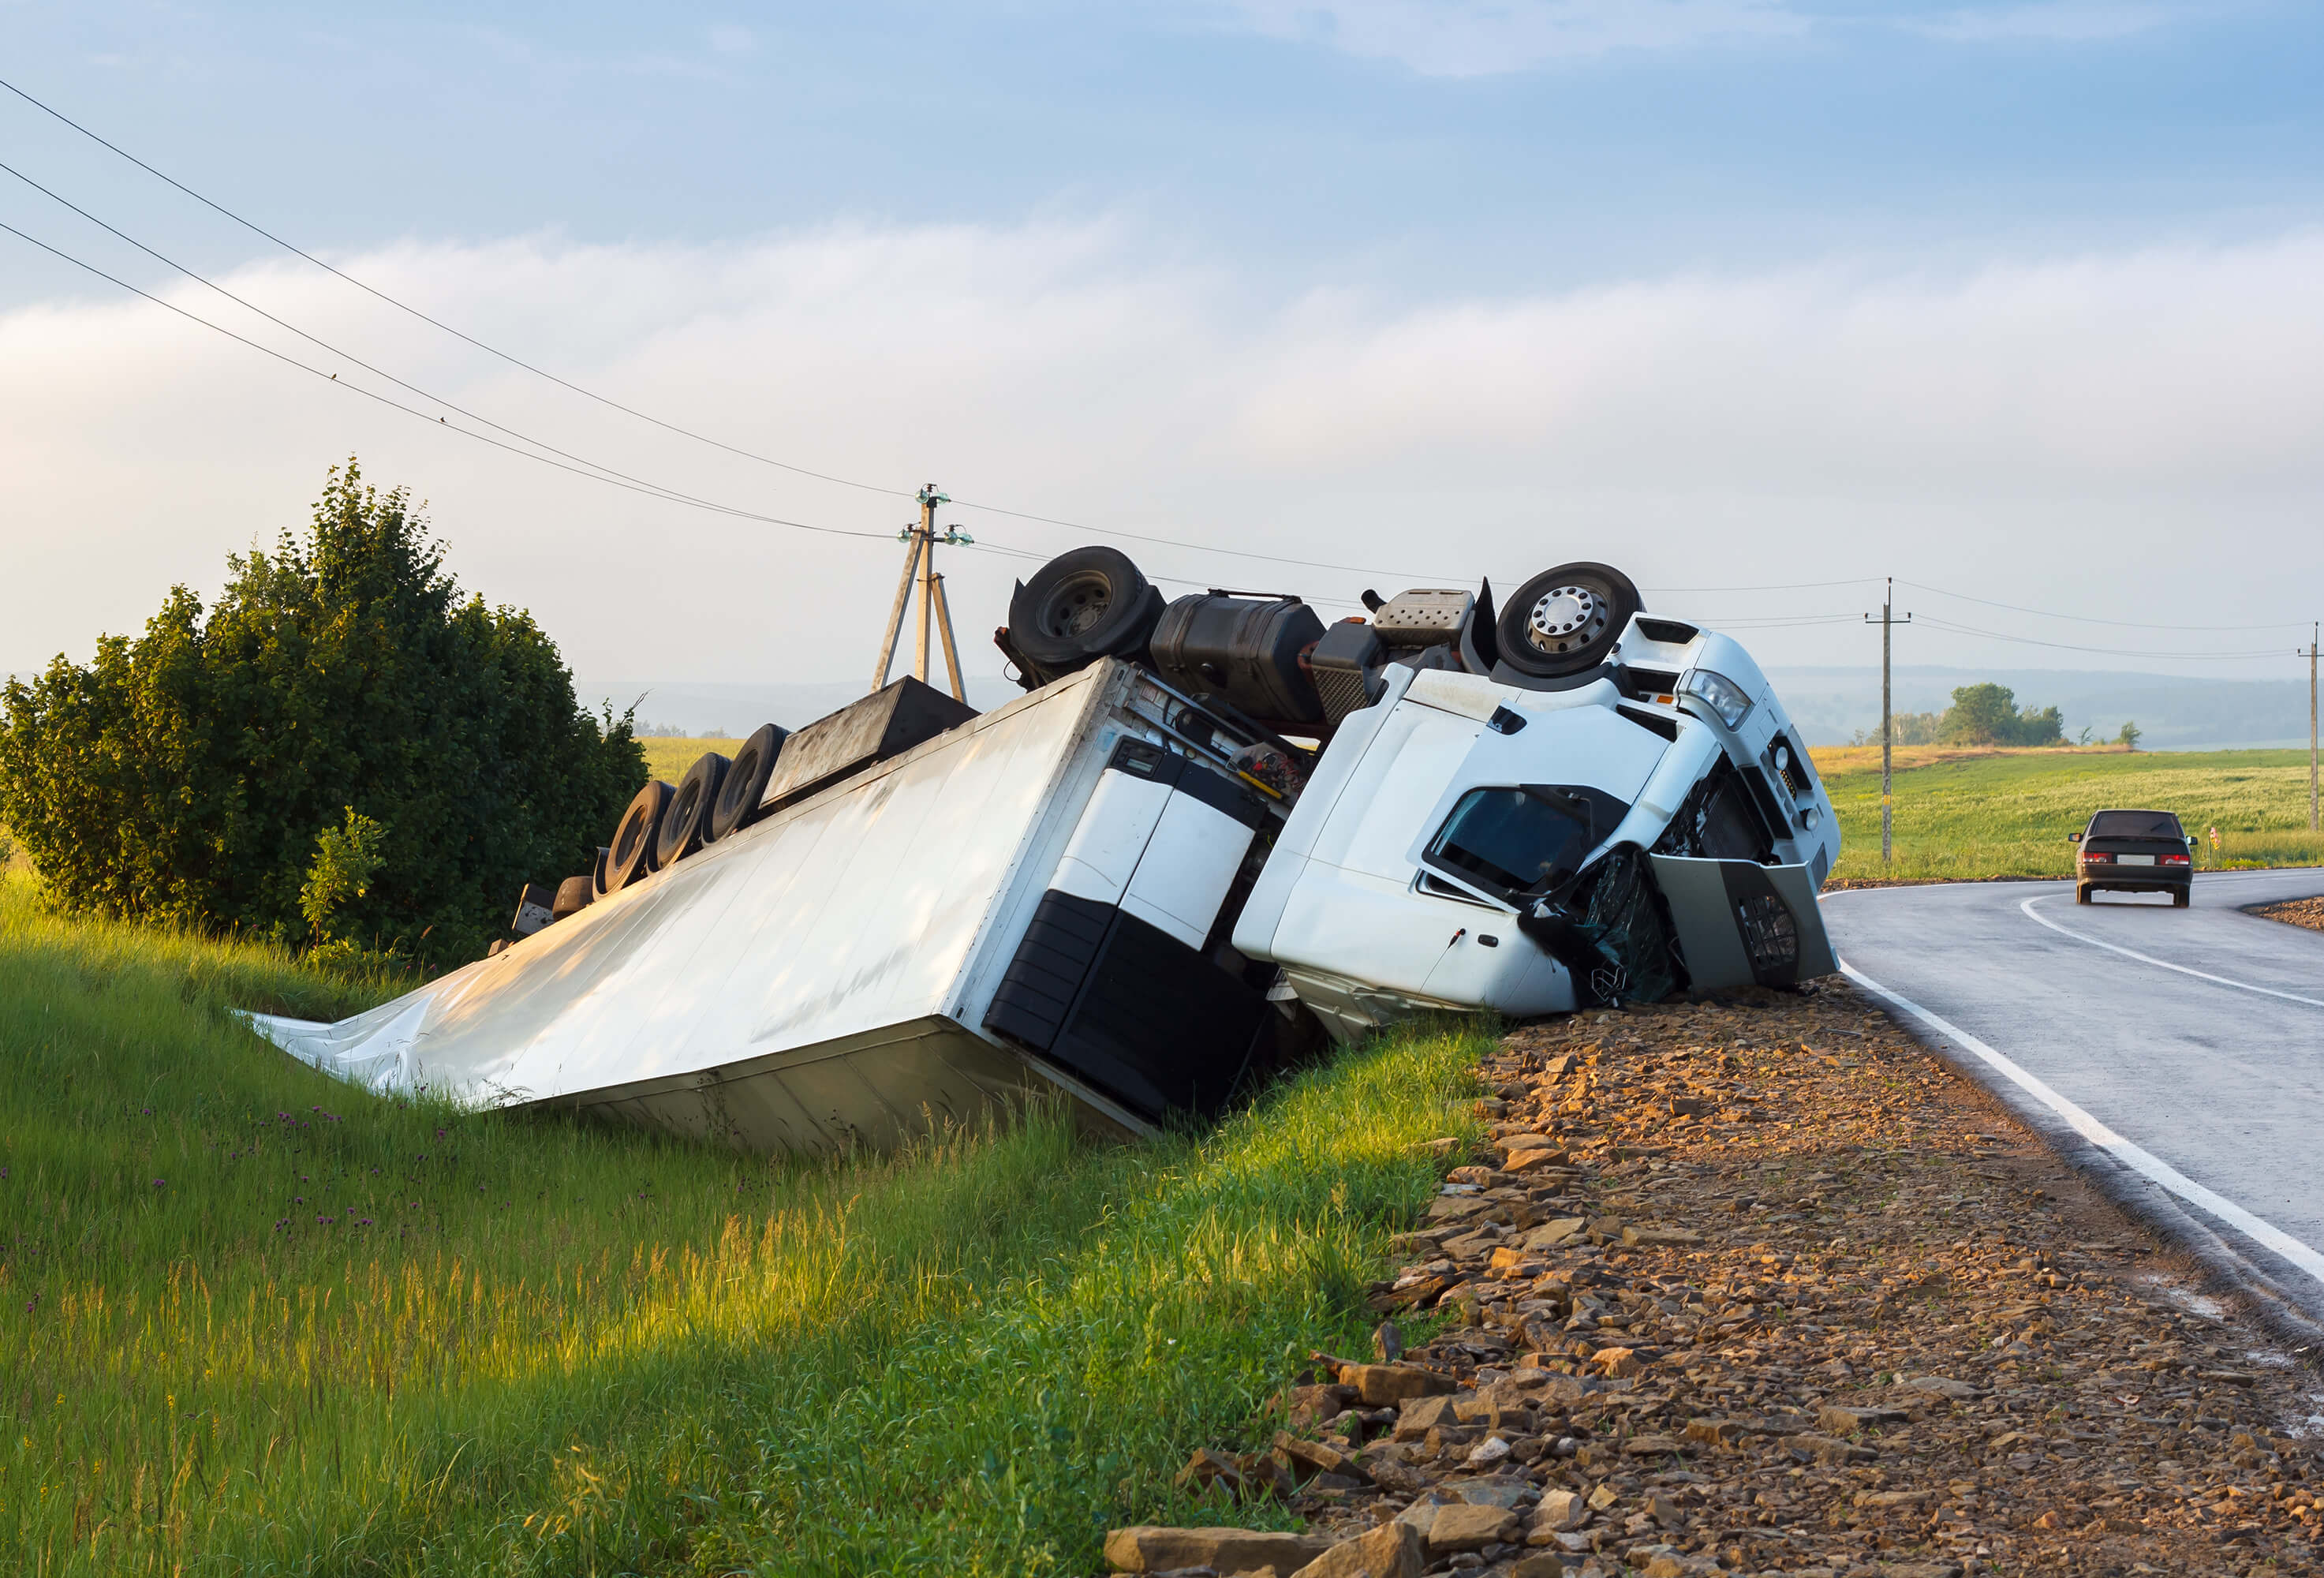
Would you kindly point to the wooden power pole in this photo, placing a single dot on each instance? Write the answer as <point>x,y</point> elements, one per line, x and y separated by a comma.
<point>2311,728</point>
<point>1887,726</point>
<point>921,565</point>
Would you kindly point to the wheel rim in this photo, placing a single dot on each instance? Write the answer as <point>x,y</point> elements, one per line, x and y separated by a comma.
<point>1566,617</point>
<point>1075,605</point>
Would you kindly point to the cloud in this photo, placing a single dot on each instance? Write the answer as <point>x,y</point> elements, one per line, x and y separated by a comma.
<point>2106,433</point>
<point>1476,38</point>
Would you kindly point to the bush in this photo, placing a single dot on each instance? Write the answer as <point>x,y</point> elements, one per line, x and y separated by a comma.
<point>340,684</point>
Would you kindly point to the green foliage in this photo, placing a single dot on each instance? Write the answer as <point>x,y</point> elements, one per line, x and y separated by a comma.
<point>2129,737</point>
<point>1987,714</point>
<point>535,1345</point>
<point>1906,728</point>
<point>2008,816</point>
<point>186,774</point>
<point>345,859</point>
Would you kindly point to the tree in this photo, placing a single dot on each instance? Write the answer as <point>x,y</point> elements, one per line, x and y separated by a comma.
<point>2130,736</point>
<point>342,688</point>
<point>1987,714</point>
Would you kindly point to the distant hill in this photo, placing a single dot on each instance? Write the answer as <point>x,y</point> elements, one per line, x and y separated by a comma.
<point>2175,712</point>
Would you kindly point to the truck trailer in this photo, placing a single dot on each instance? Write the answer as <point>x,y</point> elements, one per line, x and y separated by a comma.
<point>1208,835</point>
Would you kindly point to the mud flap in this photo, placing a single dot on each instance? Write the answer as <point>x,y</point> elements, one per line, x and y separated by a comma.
<point>1741,923</point>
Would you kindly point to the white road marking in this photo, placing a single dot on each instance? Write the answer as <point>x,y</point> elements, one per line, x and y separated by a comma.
<point>2140,1160</point>
<point>2150,959</point>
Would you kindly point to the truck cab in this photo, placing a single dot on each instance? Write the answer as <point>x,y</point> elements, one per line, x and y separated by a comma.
<point>1449,851</point>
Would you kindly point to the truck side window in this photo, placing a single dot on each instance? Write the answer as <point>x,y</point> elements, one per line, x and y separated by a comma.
<point>1514,841</point>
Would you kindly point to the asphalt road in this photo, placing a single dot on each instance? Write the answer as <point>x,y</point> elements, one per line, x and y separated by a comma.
<point>2186,1045</point>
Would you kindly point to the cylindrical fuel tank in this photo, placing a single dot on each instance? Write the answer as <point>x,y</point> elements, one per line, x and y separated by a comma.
<point>1243,650</point>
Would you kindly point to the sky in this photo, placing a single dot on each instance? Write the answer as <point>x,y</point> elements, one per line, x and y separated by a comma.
<point>2021,304</point>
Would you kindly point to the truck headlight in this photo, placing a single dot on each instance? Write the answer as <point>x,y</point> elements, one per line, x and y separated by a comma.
<point>1720,694</point>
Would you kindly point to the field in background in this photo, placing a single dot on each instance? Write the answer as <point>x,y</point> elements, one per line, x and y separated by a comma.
<point>255,1316</point>
<point>667,756</point>
<point>1966,813</point>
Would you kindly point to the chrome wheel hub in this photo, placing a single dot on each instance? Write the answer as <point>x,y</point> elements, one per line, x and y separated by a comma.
<point>1566,617</point>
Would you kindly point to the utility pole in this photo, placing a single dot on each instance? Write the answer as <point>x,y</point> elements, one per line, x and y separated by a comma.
<point>1887,727</point>
<point>921,565</point>
<point>2311,728</point>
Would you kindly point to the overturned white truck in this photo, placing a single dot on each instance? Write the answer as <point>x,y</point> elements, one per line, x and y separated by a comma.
<point>1208,829</point>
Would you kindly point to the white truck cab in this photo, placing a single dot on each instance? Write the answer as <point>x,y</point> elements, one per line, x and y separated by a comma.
<point>1444,853</point>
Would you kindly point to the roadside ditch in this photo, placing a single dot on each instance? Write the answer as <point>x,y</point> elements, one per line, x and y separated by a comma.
<point>1760,1286</point>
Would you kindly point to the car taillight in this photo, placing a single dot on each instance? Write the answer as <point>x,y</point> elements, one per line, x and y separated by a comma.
<point>2176,860</point>
<point>2095,858</point>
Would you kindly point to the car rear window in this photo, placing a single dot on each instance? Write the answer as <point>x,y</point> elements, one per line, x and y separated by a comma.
<point>1512,841</point>
<point>2136,824</point>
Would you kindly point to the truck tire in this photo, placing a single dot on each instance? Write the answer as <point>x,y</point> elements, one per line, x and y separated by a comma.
<point>574,894</point>
<point>597,888</point>
<point>635,835</point>
<point>1089,603</point>
<point>745,783</point>
<point>686,825</point>
<point>1566,621</point>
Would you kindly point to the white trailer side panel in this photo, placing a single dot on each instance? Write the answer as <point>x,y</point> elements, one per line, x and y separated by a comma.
<point>828,954</point>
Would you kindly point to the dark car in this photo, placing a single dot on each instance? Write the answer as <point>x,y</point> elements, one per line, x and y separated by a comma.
<point>2133,852</point>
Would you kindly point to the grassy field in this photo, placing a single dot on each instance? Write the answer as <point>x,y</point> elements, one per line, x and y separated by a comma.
<point>2006,813</point>
<point>667,756</point>
<point>252,1320</point>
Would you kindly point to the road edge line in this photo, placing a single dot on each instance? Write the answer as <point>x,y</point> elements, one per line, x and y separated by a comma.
<point>2026,909</point>
<point>2136,1157</point>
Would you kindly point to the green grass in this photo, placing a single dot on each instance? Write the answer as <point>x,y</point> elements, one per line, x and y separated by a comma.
<point>667,756</point>
<point>530,1346</point>
<point>1960,814</point>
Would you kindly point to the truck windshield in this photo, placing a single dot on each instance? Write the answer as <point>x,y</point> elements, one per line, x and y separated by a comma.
<point>1514,841</point>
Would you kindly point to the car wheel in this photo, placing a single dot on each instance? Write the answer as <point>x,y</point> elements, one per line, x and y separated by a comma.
<point>688,821</point>
<point>2182,898</point>
<point>2082,892</point>
<point>1566,621</point>
<point>635,836</point>
<point>1089,603</point>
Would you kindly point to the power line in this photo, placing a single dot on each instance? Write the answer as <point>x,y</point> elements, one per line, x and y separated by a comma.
<point>438,323</point>
<point>648,489</point>
<point>659,488</point>
<point>2111,651</point>
<point>2091,619</point>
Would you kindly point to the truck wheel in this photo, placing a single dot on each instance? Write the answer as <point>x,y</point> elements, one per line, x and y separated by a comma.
<point>737,802</point>
<point>634,837</point>
<point>597,888</point>
<point>1089,603</point>
<point>688,821</point>
<point>574,894</point>
<point>1566,621</point>
<point>2082,892</point>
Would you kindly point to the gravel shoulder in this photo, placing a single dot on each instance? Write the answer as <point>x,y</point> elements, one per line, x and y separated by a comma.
<point>1763,1285</point>
<point>2307,912</point>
